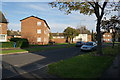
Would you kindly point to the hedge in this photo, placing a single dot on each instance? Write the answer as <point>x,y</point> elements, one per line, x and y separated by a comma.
<point>7,44</point>
<point>20,42</point>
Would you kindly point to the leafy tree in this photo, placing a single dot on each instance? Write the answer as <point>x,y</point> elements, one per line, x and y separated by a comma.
<point>70,33</point>
<point>93,36</point>
<point>87,8</point>
<point>51,36</point>
<point>114,24</point>
<point>9,32</point>
<point>83,30</point>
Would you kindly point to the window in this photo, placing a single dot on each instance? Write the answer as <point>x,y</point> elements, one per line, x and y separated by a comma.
<point>45,32</point>
<point>38,31</point>
<point>38,39</point>
<point>38,23</point>
<point>0,25</point>
<point>108,35</point>
<point>58,37</point>
<point>103,35</point>
<point>2,37</point>
<point>48,34</point>
<point>54,37</point>
<point>62,36</point>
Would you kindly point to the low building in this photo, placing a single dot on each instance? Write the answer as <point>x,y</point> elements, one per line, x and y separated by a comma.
<point>58,38</point>
<point>107,37</point>
<point>3,28</point>
<point>35,29</point>
<point>82,37</point>
<point>13,34</point>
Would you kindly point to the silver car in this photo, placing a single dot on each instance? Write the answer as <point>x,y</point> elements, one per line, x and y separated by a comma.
<point>79,44</point>
<point>89,46</point>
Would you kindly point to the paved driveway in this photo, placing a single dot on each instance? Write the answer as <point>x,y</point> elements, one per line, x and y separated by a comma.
<point>25,63</point>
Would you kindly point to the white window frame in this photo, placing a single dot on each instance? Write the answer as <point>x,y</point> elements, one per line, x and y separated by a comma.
<point>5,38</point>
<point>48,34</point>
<point>54,37</point>
<point>58,37</point>
<point>38,39</point>
<point>39,23</point>
<point>39,31</point>
<point>0,25</point>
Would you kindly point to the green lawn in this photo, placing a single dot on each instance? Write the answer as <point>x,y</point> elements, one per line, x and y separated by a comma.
<point>36,48</point>
<point>12,51</point>
<point>83,66</point>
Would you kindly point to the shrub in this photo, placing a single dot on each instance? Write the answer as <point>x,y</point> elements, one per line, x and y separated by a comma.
<point>20,42</point>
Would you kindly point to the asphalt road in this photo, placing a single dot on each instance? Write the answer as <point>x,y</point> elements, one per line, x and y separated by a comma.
<point>33,65</point>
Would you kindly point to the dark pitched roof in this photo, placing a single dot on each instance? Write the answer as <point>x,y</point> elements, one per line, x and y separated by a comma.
<point>2,18</point>
<point>57,34</point>
<point>37,18</point>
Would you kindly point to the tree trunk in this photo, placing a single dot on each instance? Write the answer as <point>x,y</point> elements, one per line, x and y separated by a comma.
<point>72,40</point>
<point>99,44</point>
<point>113,40</point>
<point>92,36</point>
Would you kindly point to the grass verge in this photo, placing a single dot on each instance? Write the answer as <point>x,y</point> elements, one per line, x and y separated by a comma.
<point>35,49</point>
<point>83,66</point>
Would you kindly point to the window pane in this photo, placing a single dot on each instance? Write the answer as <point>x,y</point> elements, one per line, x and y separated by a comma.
<point>2,37</point>
<point>38,39</point>
<point>39,31</point>
<point>38,23</point>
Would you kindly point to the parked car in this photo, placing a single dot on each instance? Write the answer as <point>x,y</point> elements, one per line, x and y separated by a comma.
<point>51,42</point>
<point>79,44</point>
<point>89,46</point>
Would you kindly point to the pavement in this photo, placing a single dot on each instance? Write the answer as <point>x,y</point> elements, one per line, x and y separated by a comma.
<point>34,65</point>
<point>113,72</point>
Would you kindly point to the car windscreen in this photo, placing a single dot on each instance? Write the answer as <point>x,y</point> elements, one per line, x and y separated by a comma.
<point>89,43</point>
<point>79,42</point>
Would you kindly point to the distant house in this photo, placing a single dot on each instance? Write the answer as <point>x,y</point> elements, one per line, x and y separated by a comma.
<point>82,37</point>
<point>35,29</point>
<point>107,37</point>
<point>58,38</point>
<point>13,34</point>
<point>3,28</point>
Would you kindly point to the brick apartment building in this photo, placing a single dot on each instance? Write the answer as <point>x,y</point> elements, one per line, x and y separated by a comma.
<point>35,29</point>
<point>3,28</point>
<point>107,37</point>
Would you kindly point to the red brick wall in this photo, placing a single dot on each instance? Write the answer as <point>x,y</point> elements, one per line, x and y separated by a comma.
<point>106,37</point>
<point>59,40</point>
<point>3,28</point>
<point>29,29</point>
<point>89,38</point>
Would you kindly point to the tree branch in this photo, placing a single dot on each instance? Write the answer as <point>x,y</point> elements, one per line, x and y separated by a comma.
<point>102,12</point>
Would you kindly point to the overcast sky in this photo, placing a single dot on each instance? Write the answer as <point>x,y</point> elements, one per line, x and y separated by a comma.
<point>57,20</point>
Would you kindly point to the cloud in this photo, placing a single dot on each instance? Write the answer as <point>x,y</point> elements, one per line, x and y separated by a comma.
<point>36,7</point>
<point>59,27</point>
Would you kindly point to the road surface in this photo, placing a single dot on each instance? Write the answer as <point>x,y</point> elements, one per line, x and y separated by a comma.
<point>19,65</point>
